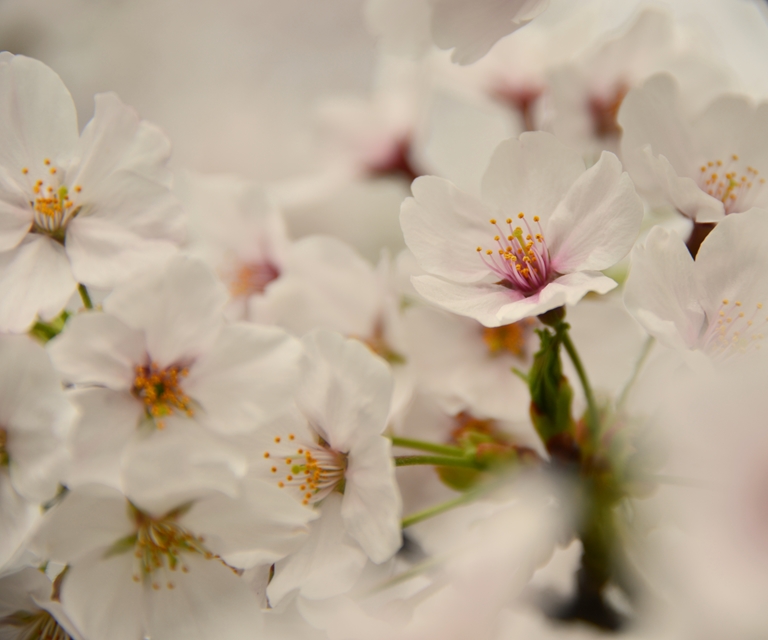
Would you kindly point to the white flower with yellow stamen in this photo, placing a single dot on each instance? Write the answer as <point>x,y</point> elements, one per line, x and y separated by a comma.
<point>90,208</point>
<point>161,355</point>
<point>163,571</point>
<point>705,166</point>
<point>331,453</point>
<point>716,304</point>
<point>537,240</point>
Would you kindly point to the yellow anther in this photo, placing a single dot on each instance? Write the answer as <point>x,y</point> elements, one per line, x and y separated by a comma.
<point>509,220</point>
<point>25,171</point>
<point>521,215</point>
<point>47,161</point>
<point>497,238</point>
<point>536,218</point>
<point>266,454</point>
<point>479,249</point>
<point>493,221</point>
<point>277,439</point>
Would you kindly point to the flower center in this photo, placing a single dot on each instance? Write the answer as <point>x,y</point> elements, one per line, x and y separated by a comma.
<point>521,258</point>
<point>52,203</point>
<point>160,390</point>
<point>735,188</point>
<point>38,625</point>
<point>314,470</point>
<point>605,111</point>
<point>4,457</point>
<point>510,338</point>
<point>159,544</point>
<point>736,329</point>
<point>252,278</point>
<point>377,343</point>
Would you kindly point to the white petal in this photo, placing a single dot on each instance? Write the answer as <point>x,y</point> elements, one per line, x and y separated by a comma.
<point>372,507</point>
<point>35,279</point>
<point>19,516</point>
<point>532,175</point>
<point>260,526</point>
<point>179,309</point>
<point>108,421</point>
<point>683,192</point>
<point>651,115</point>
<point>105,253</point>
<point>346,389</point>
<point>210,601</point>
<point>89,517</point>
<point>181,462</point>
<point>327,564</point>
<point>729,261</point>
<point>474,26</point>
<point>480,301</point>
<point>662,292</point>
<point>443,226</point>
<point>97,348</point>
<point>248,376</point>
<point>15,212</point>
<point>597,222</point>
<point>37,115</point>
<point>117,140</point>
<point>102,599</point>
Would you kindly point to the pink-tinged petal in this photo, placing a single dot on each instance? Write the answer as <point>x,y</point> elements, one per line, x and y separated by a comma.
<point>209,601</point>
<point>597,222</point>
<point>260,526</point>
<point>532,175</point>
<point>661,291</point>
<point>683,192</point>
<point>37,115</point>
<point>480,301</point>
<point>105,253</point>
<point>567,289</point>
<point>108,421</point>
<point>89,517</point>
<point>443,226</point>
<point>179,308</point>
<point>327,564</point>
<point>372,507</point>
<point>98,349</point>
<point>346,389</point>
<point>247,377</point>
<point>651,115</point>
<point>35,279</point>
<point>474,26</point>
<point>731,262</point>
<point>162,468</point>
<point>101,597</point>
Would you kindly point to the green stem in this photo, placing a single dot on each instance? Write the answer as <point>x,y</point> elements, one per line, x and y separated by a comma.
<point>440,461</point>
<point>420,445</point>
<point>437,509</point>
<point>635,372</point>
<point>85,297</point>
<point>593,419</point>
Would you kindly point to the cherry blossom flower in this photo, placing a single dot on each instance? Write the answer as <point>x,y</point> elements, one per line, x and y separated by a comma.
<point>92,210</point>
<point>713,304</point>
<point>587,91</point>
<point>161,355</point>
<point>707,165</point>
<point>335,445</point>
<point>545,227</point>
<point>138,572</point>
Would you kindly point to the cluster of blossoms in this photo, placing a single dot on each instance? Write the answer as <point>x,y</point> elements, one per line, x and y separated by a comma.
<point>210,429</point>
